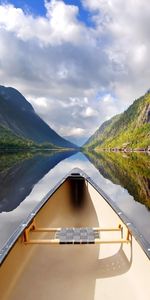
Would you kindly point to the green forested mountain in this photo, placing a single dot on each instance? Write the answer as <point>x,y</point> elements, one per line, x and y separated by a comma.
<point>18,116</point>
<point>130,129</point>
<point>9,140</point>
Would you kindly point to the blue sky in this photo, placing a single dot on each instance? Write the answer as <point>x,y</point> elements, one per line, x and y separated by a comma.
<point>77,62</point>
<point>84,14</point>
<point>37,7</point>
<point>34,6</point>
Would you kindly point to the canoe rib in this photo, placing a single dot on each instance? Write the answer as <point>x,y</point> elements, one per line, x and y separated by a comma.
<point>75,235</point>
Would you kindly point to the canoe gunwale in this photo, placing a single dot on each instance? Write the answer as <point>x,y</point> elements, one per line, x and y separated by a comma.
<point>133,230</point>
<point>76,172</point>
<point>4,251</point>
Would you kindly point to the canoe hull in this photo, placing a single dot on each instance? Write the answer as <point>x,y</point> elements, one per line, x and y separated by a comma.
<point>76,271</point>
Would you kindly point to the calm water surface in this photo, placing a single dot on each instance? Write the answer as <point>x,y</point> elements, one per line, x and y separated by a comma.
<point>26,178</point>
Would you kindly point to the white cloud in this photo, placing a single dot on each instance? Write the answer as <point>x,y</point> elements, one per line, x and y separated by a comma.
<point>76,132</point>
<point>77,76</point>
<point>92,4</point>
<point>60,25</point>
<point>62,19</point>
<point>89,112</point>
<point>39,102</point>
<point>107,99</point>
<point>108,107</point>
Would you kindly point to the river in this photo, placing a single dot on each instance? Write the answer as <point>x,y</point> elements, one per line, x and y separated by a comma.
<point>25,178</point>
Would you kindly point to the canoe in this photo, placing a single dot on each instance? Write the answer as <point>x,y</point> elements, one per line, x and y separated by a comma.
<point>75,244</point>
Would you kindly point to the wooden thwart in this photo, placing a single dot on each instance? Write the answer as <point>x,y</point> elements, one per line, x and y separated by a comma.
<point>74,235</point>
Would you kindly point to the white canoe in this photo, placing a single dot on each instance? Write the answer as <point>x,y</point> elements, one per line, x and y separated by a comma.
<point>75,245</point>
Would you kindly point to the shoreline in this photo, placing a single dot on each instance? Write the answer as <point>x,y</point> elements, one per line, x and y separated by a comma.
<point>123,151</point>
<point>116,150</point>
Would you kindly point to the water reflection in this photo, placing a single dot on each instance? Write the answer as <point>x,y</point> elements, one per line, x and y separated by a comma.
<point>131,171</point>
<point>20,172</point>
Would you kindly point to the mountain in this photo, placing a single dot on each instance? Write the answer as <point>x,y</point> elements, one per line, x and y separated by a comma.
<point>98,137</point>
<point>129,130</point>
<point>18,116</point>
<point>10,140</point>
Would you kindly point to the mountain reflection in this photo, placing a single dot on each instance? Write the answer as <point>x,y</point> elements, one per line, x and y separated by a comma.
<point>131,171</point>
<point>19,172</point>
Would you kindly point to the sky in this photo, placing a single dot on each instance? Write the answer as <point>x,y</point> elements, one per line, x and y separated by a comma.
<point>77,62</point>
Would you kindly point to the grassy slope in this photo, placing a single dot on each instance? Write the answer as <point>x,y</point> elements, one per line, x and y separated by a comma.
<point>9,140</point>
<point>102,133</point>
<point>17,114</point>
<point>129,127</point>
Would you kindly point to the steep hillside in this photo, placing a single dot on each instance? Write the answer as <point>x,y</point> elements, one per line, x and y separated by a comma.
<point>130,129</point>
<point>9,139</point>
<point>101,133</point>
<point>18,115</point>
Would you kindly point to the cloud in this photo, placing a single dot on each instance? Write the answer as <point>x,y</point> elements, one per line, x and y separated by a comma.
<point>76,76</point>
<point>58,26</point>
<point>108,106</point>
<point>89,112</point>
<point>125,26</point>
<point>39,102</point>
<point>77,131</point>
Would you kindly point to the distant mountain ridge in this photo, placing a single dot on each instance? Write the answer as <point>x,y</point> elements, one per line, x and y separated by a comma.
<point>129,130</point>
<point>18,116</point>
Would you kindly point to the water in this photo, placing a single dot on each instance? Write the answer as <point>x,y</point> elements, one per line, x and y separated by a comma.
<point>25,178</point>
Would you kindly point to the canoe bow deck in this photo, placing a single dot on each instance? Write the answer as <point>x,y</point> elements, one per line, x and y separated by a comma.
<point>76,244</point>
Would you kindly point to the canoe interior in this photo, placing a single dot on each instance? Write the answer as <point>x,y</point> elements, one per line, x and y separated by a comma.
<point>76,271</point>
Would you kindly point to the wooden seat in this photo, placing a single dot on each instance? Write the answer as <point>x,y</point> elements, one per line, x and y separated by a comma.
<point>83,235</point>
